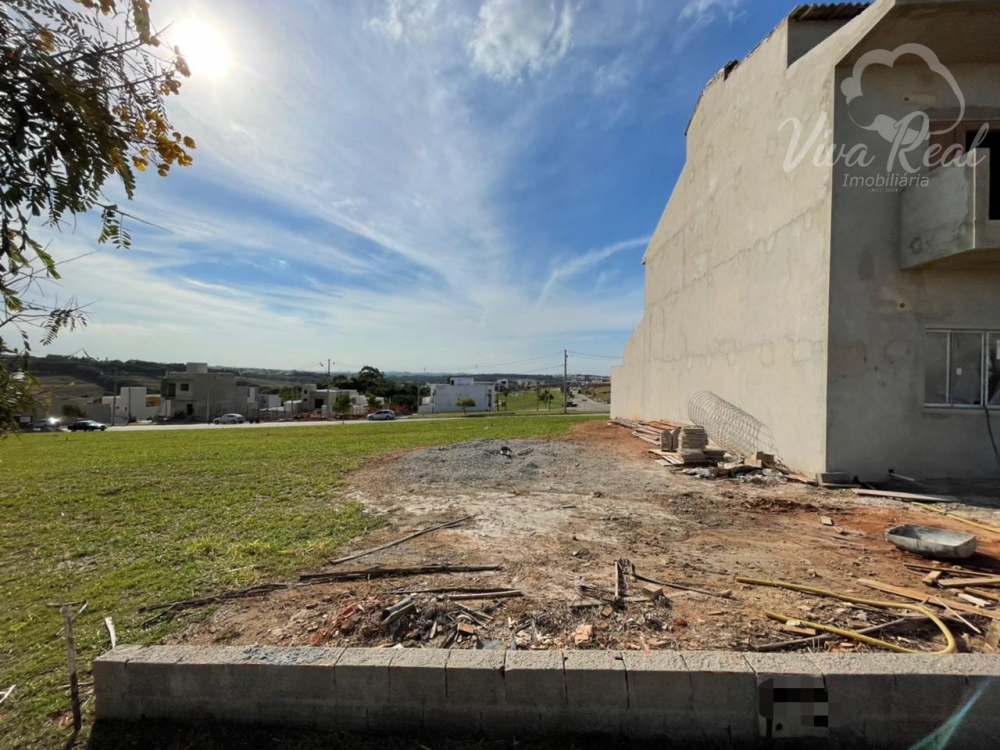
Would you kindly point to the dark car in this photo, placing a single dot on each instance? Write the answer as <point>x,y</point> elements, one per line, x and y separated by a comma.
<point>87,425</point>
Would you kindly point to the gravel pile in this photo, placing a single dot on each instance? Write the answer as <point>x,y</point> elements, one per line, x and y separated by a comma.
<point>500,463</point>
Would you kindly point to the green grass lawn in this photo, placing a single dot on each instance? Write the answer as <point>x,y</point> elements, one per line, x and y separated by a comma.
<point>120,519</point>
<point>528,401</point>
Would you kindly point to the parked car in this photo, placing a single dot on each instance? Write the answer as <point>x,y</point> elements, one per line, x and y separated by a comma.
<point>229,419</point>
<point>383,415</point>
<point>87,425</point>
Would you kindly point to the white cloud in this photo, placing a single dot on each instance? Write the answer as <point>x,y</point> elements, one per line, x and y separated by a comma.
<point>702,12</point>
<point>568,267</point>
<point>405,19</point>
<point>514,37</point>
<point>363,158</point>
<point>613,76</point>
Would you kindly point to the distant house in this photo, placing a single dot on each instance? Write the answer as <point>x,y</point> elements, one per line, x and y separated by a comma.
<point>200,395</point>
<point>315,399</point>
<point>132,404</point>
<point>444,395</point>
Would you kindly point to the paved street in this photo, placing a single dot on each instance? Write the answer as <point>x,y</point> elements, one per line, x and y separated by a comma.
<point>317,423</point>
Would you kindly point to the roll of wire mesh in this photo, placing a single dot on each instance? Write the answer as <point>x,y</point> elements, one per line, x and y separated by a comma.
<point>729,426</point>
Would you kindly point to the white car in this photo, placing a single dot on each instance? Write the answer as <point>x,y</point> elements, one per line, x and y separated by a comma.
<point>229,419</point>
<point>385,414</point>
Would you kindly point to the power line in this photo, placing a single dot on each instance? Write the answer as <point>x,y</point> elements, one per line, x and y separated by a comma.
<point>595,356</point>
<point>504,364</point>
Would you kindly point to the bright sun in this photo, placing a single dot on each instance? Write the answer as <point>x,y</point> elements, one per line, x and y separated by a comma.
<point>203,48</point>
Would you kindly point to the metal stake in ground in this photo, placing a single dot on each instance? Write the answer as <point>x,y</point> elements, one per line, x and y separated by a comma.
<point>74,684</point>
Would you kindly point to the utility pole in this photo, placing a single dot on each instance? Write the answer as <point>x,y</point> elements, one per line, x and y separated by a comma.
<point>114,400</point>
<point>329,386</point>
<point>565,391</point>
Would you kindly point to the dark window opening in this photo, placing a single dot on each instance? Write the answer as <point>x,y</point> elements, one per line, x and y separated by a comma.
<point>992,142</point>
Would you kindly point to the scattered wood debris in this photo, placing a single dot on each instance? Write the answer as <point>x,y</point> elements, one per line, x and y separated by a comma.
<point>369,573</point>
<point>397,542</point>
<point>932,578</point>
<point>974,600</point>
<point>112,633</point>
<point>795,626</point>
<point>963,582</point>
<point>924,598</point>
<point>906,496</point>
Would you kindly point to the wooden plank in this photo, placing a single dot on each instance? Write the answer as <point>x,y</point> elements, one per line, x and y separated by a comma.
<point>925,598</point>
<point>932,578</point>
<point>984,594</point>
<point>959,583</point>
<point>955,571</point>
<point>414,535</point>
<point>363,575</point>
<point>907,496</point>
<point>974,600</point>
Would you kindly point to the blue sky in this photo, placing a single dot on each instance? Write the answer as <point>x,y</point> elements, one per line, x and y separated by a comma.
<point>411,184</point>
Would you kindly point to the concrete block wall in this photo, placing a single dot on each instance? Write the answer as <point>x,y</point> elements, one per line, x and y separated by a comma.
<point>710,699</point>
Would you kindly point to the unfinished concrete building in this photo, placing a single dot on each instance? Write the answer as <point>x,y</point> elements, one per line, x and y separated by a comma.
<point>849,300</point>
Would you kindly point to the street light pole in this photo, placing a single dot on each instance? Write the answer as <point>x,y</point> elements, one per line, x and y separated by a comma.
<point>329,382</point>
<point>565,391</point>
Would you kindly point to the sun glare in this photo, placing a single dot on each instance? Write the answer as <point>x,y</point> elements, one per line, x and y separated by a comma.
<point>203,47</point>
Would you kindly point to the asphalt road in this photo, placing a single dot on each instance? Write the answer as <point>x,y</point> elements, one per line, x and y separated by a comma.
<point>308,423</point>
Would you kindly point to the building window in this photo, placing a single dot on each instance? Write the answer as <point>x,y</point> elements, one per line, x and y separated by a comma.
<point>185,387</point>
<point>962,369</point>
<point>171,390</point>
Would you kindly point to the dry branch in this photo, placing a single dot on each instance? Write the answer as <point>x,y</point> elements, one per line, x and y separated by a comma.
<point>830,636</point>
<point>414,535</point>
<point>367,573</point>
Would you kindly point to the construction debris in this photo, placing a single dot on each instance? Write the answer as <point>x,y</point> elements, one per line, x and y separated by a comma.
<point>974,600</point>
<point>583,634</point>
<point>687,447</point>
<point>795,626</point>
<point>963,582</point>
<point>908,496</point>
<point>924,598</point>
<point>932,578</point>
<point>365,553</point>
<point>369,573</point>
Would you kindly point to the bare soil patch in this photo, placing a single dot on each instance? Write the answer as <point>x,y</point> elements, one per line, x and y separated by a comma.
<point>559,513</point>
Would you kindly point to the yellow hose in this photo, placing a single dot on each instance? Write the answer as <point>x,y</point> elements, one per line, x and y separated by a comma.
<point>961,519</point>
<point>950,645</point>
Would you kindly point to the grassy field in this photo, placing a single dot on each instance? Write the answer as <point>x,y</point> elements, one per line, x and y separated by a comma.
<point>119,520</point>
<point>602,394</point>
<point>528,401</point>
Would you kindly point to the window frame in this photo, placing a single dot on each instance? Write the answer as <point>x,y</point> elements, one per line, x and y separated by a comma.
<point>984,370</point>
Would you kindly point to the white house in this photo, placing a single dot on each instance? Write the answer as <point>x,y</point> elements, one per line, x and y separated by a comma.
<point>444,395</point>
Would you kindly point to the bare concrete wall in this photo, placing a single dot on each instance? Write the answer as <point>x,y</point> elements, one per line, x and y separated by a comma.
<point>737,271</point>
<point>879,314</point>
<point>692,699</point>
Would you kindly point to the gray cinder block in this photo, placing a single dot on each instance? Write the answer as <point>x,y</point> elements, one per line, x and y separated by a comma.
<point>659,694</point>
<point>723,697</point>
<point>535,680</point>
<point>362,677</point>
<point>417,677</point>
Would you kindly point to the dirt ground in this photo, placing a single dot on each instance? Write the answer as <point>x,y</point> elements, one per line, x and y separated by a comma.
<point>557,514</point>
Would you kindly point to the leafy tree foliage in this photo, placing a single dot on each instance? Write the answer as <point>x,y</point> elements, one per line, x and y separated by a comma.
<point>83,87</point>
<point>73,411</point>
<point>343,404</point>
<point>465,403</point>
